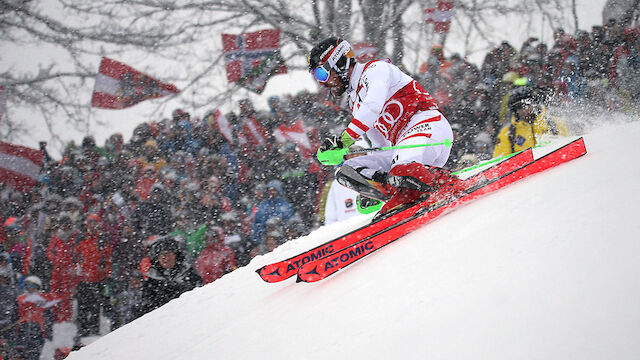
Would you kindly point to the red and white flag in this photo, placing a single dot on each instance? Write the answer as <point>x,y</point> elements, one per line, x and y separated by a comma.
<point>120,86</point>
<point>19,166</point>
<point>252,58</point>
<point>252,134</point>
<point>440,16</point>
<point>365,52</point>
<point>222,124</point>
<point>298,134</point>
<point>3,103</point>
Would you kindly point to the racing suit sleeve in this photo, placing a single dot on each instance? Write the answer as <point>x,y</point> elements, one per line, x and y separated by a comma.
<point>371,95</point>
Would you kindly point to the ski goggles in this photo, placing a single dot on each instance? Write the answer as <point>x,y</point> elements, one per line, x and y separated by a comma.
<point>322,72</point>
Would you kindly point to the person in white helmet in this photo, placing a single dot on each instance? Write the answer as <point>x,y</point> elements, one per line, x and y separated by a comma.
<point>391,109</point>
<point>34,317</point>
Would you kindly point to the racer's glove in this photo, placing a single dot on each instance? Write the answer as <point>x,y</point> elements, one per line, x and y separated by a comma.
<point>331,143</point>
<point>334,148</point>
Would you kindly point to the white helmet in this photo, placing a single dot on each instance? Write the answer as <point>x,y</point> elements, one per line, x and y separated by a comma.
<point>33,280</point>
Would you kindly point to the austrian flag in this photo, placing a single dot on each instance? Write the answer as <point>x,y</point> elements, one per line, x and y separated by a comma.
<point>296,133</point>
<point>365,52</point>
<point>221,123</point>
<point>252,58</point>
<point>120,86</point>
<point>440,16</point>
<point>19,166</point>
<point>252,133</point>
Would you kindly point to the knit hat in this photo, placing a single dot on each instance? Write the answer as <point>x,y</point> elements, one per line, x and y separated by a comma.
<point>275,184</point>
<point>229,216</point>
<point>163,243</point>
<point>12,225</point>
<point>151,143</point>
<point>5,271</point>
<point>92,217</point>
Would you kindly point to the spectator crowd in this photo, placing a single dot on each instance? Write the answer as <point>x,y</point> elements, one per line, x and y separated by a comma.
<point>120,229</point>
<point>587,70</point>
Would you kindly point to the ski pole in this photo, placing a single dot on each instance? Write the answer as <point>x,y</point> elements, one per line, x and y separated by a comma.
<point>446,142</point>
<point>500,158</point>
<point>335,156</point>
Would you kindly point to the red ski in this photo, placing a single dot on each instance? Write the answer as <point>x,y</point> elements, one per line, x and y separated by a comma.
<point>285,269</point>
<point>328,265</point>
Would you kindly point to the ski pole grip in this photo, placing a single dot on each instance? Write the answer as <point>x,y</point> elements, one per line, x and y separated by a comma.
<point>331,157</point>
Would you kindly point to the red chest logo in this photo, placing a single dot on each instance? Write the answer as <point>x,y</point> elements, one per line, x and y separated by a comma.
<point>391,112</point>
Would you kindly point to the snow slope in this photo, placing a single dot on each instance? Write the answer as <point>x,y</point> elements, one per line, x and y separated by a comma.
<point>546,268</point>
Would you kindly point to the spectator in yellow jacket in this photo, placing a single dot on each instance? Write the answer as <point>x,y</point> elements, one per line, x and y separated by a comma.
<point>529,122</point>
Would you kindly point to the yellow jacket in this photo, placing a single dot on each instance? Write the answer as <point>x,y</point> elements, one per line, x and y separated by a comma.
<point>519,135</point>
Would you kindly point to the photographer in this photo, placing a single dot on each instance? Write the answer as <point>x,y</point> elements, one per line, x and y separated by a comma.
<point>528,123</point>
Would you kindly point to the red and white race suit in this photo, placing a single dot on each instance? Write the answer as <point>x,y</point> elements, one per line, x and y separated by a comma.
<point>393,109</point>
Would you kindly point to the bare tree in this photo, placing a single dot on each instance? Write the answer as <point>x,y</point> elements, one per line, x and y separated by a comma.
<point>180,39</point>
<point>624,11</point>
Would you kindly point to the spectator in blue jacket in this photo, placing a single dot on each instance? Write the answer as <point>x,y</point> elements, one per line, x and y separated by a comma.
<point>274,206</point>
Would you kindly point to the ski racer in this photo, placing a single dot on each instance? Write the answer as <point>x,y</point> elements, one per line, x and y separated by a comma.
<point>391,109</point>
<point>528,123</point>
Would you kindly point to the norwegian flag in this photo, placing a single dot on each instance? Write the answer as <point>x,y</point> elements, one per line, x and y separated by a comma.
<point>298,134</point>
<point>222,124</point>
<point>3,103</point>
<point>252,58</point>
<point>440,16</point>
<point>120,86</point>
<point>365,52</point>
<point>19,166</point>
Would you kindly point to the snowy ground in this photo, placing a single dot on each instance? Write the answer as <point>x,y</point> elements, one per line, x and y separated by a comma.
<point>543,269</point>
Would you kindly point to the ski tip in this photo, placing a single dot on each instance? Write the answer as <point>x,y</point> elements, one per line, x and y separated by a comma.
<point>271,274</point>
<point>260,273</point>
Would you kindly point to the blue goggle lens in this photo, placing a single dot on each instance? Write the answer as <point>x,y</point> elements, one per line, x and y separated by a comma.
<point>320,73</point>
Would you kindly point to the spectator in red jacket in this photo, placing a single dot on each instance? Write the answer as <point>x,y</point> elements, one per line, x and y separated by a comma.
<point>60,253</point>
<point>216,259</point>
<point>94,264</point>
<point>32,307</point>
<point>145,182</point>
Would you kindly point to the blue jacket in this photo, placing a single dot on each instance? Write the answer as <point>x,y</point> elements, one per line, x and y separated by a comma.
<point>270,208</point>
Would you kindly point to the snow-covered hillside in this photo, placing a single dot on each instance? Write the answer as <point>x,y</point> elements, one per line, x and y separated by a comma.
<point>546,268</point>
